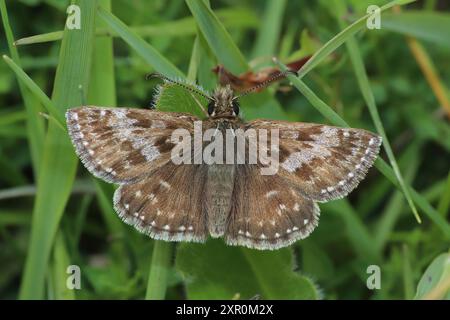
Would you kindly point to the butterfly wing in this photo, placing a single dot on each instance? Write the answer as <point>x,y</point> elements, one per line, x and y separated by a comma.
<point>119,144</point>
<point>322,162</point>
<point>166,205</point>
<point>267,212</point>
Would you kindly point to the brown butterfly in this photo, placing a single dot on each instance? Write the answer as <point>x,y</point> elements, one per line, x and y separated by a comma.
<point>189,202</point>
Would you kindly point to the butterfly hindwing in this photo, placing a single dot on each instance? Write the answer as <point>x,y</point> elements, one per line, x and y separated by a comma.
<point>120,145</point>
<point>266,212</point>
<point>167,205</point>
<point>323,162</point>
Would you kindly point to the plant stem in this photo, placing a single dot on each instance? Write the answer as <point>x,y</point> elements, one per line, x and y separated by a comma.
<point>159,267</point>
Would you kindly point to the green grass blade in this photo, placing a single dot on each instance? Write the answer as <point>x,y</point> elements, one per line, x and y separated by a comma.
<point>59,161</point>
<point>40,38</point>
<point>35,126</point>
<point>60,262</point>
<point>444,202</point>
<point>408,284</point>
<point>54,112</point>
<point>370,100</point>
<point>393,209</point>
<point>236,18</point>
<point>102,87</point>
<point>380,164</point>
<point>145,50</point>
<point>160,265</point>
<point>428,26</point>
<point>341,37</point>
<point>364,86</point>
<point>102,92</point>
<point>218,38</point>
<point>269,32</point>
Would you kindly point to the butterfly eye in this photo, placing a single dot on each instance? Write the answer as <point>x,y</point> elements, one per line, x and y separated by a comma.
<point>236,107</point>
<point>211,107</point>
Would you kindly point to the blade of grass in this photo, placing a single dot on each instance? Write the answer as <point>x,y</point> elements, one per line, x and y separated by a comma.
<point>37,92</point>
<point>269,31</point>
<point>444,202</point>
<point>428,26</point>
<point>160,265</point>
<point>219,39</point>
<point>380,164</point>
<point>145,50</point>
<point>341,37</point>
<point>35,125</point>
<point>393,209</point>
<point>60,262</point>
<point>102,92</point>
<point>408,281</point>
<point>364,86</point>
<point>233,18</point>
<point>59,162</point>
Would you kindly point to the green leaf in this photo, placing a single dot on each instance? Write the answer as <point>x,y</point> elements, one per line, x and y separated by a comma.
<point>59,162</point>
<point>437,273</point>
<point>173,98</point>
<point>428,26</point>
<point>218,271</point>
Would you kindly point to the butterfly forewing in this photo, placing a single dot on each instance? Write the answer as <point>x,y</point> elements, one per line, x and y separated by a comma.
<point>123,145</point>
<point>323,162</point>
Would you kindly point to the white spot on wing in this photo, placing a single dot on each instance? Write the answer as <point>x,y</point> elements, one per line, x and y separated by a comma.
<point>164,184</point>
<point>271,193</point>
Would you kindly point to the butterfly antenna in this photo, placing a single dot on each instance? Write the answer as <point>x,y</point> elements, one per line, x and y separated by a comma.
<point>265,83</point>
<point>177,82</point>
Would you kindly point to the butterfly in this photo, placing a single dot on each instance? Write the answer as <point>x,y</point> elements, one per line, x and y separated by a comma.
<point>190,202</point>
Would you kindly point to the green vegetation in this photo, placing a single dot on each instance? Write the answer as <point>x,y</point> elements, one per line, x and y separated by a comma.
<point>393,81</point>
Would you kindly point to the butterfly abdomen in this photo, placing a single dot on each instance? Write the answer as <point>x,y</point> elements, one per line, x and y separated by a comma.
<point>217,197</point>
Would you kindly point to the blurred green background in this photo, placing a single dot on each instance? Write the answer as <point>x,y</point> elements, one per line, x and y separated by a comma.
<point>394,79</point>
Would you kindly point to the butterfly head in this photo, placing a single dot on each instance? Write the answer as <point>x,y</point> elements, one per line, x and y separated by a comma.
<point>223,103</point>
